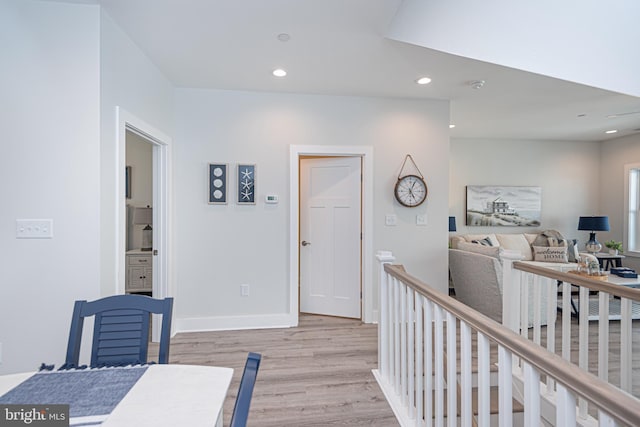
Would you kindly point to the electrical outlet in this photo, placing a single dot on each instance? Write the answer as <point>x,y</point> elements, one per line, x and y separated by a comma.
<point>34,229</point>
<point>244,290</point>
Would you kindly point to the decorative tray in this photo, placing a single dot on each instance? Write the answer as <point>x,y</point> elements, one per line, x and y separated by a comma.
<point>603,277</point>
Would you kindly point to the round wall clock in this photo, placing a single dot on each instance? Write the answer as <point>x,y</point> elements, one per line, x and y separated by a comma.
<point>411,191</point>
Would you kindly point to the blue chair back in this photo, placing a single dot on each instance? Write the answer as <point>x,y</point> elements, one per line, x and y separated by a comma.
<point>243,401</point>
<point>121,329</point>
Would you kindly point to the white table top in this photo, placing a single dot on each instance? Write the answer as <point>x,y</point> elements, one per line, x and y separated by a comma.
<point>605,255</point>
<point>166,395</point>
<point>624,281</point>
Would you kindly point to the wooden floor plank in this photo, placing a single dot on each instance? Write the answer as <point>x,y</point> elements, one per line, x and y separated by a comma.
<point>317,374</point>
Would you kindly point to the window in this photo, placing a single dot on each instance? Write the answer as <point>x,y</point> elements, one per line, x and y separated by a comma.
<point>632,209</point>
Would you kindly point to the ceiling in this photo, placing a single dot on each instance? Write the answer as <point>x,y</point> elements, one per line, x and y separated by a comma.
<point>338,47</point>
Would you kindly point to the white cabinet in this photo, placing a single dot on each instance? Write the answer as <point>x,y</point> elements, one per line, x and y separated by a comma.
<point>139,271</point>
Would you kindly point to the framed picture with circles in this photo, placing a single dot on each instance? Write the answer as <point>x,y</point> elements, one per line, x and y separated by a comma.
<point>218,183</point>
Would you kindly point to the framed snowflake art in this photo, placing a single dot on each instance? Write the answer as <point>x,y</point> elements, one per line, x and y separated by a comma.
<point>246,184</point>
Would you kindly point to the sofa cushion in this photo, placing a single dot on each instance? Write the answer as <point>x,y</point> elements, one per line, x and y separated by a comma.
<point>516,242</point>
<point>550,254</point>
<point>492,251</point>
<point>492,238</point>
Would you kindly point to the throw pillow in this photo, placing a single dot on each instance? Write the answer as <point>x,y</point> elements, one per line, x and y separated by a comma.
<point>553,238</point>
<point>572,252</point>
<point>490,236</point>
<point>492,251</point>
<point>484,242</point>
<point>550,254</point>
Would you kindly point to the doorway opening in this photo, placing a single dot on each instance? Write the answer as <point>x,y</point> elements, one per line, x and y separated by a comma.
<point>160,202</point>
<point>368,314</point>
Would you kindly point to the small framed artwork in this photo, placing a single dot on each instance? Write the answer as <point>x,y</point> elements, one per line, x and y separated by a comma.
<point>246,184</point>
<point>218,183</point>
<point>127,182</point>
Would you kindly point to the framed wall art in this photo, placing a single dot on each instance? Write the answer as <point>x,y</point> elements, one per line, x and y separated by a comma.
<point>218,183</point>
<point>246,184</point>
<point>503,205</point>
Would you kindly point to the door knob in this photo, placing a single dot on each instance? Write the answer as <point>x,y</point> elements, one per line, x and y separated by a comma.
<point>305,243</point>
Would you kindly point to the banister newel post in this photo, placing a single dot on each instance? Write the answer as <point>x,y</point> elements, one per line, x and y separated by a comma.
<point>383,257</point>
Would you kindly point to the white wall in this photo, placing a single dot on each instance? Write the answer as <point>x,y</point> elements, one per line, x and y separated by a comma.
<point>568,172</point>
<point>49,168</point>
<point>220,247</point>
<point>129,80</point>
<point>615,154</point>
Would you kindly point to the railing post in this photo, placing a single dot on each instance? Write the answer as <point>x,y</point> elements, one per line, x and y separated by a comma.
<point>383,257</point>
<point>510,291</point>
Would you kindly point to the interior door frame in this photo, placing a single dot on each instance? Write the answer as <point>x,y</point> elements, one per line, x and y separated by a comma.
<point>366,153</point>
<point>161,194</point>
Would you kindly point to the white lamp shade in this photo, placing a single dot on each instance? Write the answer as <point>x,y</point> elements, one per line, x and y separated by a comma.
<point>143,216</point>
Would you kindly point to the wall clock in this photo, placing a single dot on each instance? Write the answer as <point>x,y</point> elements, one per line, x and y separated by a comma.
<point>410,190</point>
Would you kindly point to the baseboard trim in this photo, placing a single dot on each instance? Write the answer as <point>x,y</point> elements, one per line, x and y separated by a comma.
<point>228,323</point>
<point>394,400</point>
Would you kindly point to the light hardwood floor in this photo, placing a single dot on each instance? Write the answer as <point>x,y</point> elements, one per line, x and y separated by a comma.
<point>317,374</point>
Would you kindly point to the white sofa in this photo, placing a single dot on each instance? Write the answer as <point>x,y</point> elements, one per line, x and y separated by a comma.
<point>477,271</point>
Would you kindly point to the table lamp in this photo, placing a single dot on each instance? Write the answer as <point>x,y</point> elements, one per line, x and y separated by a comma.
<point>144,216</point>
<point>593,224</point>
<point>452,223</point>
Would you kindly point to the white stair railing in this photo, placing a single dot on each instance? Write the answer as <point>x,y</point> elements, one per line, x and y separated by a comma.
<point>587,311</point>
<point>425,381</point>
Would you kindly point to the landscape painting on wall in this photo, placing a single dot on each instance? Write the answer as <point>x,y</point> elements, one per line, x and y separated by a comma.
<point>497,205</point>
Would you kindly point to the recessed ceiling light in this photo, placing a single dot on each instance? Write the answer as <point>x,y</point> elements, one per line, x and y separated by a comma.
<point>279,72</point>
<point>284,37</point>
<point>612,131</point>
<point>423,81</point>
<point>451,126</point>
<point>476,84</point>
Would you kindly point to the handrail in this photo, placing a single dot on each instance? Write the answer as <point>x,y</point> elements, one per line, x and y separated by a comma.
<point>592,284</point>
<point>622,406</point>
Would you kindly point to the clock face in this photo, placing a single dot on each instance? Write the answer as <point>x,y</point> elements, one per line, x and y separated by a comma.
<point>411,191</point>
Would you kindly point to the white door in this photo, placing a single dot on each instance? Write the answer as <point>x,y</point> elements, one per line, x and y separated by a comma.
<point>330,236</point>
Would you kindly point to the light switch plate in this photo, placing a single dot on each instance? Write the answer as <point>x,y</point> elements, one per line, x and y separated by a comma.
<point>34,229</point>
<point>421,219</point>
<point>390,219</point>
<point>244,290</point>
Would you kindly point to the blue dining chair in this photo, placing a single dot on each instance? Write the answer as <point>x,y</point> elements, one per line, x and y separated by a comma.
<point>120,331</point>
<point>243,401</point>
